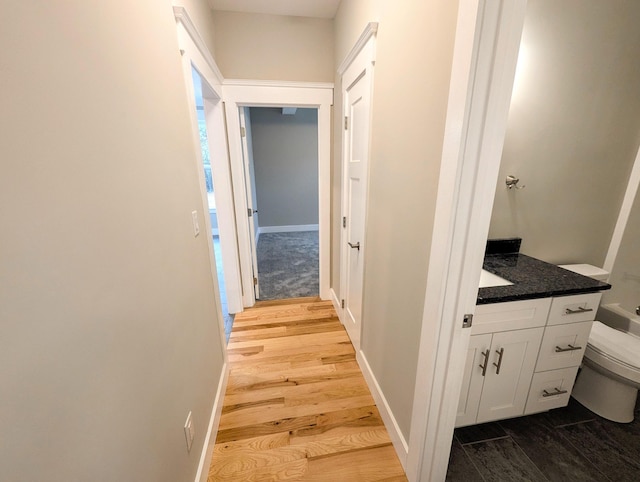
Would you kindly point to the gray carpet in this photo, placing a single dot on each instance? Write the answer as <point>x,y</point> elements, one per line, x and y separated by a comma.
<point>288,265</point>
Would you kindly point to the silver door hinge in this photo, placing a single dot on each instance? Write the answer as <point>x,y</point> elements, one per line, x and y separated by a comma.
<point>344,221</point>
<point>342,303</point>
<point>243,132</point>
<point>255,281</point>
<point>346,123</point>
<point>467,321</point>
<point>249,212</point>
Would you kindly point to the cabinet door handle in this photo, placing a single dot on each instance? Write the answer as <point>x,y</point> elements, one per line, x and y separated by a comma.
<point>499,364</point>
<point>569,348</point>
<point>485,354</point>
<point>556,391</point>
<point>580,309</point>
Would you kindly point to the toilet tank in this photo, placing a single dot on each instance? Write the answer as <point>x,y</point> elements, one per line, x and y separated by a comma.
<point>588,270</point>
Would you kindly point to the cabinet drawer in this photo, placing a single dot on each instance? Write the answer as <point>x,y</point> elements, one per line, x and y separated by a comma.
<point>550,389</point>
<point>574,309</point>
<point>563,346</point>
<point>512,315</point>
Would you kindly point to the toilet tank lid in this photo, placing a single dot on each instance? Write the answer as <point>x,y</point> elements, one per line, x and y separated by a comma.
<point>587,270</point>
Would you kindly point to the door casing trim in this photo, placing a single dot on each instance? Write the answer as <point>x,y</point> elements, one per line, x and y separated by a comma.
<point>280,94</point>
<point>484,61</point>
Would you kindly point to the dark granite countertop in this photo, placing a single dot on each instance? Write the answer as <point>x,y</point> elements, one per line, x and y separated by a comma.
<point>532,278</point>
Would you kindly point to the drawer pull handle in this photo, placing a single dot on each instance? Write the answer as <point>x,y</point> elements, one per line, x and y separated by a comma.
<point>569,348</point>
<point>499,364</point>
<point>580,309</point>
<point>485,354</point>
<point>556,391</point>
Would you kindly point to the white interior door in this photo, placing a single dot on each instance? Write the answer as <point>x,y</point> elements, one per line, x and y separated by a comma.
<point>224,203</point>
<point>247,156</point>
<point>252,173</point>
<point>357,102</point>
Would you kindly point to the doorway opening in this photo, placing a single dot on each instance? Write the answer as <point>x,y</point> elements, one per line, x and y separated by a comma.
<point>280,153</point>
<point>241,93</point>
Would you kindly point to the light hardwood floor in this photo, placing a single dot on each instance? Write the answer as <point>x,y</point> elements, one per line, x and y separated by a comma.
<point>297,406</point>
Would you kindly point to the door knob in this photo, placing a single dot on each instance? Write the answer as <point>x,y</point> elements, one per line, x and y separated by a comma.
<point>356,245</point>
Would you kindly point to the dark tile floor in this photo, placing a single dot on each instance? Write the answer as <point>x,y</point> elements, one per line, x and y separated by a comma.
<point>565,444</point>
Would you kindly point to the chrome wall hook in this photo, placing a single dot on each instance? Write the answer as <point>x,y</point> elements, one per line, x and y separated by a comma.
<point>512,182</point>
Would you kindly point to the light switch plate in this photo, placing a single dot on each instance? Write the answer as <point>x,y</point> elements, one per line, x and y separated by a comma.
<point>196,225</point>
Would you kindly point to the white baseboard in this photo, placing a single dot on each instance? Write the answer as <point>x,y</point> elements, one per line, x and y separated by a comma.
<point>214,422</point>
<point>398,440</point>
<point>287,229</point>
<point>336,304</point>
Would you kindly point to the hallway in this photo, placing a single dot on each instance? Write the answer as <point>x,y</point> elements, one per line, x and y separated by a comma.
<point>297,406</point>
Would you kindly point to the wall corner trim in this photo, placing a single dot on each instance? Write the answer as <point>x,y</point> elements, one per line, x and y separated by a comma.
<point>369,31</point>
<point>182,16</point>
<point>390,423</point>
<point>214,422</point>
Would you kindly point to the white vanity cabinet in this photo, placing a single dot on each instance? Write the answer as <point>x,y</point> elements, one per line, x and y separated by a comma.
<point>523,356</point>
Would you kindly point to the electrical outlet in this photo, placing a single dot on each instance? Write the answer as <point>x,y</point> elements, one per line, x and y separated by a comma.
<point>189,432</point>
<point>196,225</point>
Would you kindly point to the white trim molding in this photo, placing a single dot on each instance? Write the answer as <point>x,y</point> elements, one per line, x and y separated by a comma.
<point>288,229</point>
<point>390,423</point>
<point>337,305</point>
<point>370,30</point>
<point>181,15</point>
<point>214,423</point>
<point>278,83</point>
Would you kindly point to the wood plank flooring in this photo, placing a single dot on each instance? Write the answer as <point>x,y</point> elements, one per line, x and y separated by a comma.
<point>297,406</point>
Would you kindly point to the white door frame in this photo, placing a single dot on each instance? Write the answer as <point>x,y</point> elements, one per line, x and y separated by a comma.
<point>195,54</point>
<point>362,57</point>
<point>250,93</point>
<point>485,56</point>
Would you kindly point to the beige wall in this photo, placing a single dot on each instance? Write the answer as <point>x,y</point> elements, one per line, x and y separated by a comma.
<point>271,47</point>
<point>202,16</point>
<point>574,129</point>
<point>412,71</point>
<point>625,275</point>
<point>285,154</point>
<point>108,329</point>
<point>350,21</point>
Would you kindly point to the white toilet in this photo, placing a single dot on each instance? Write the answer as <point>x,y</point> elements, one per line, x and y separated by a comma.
<point>610,377</point>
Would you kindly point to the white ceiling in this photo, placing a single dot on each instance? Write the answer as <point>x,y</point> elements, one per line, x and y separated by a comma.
<point>296,8</point>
